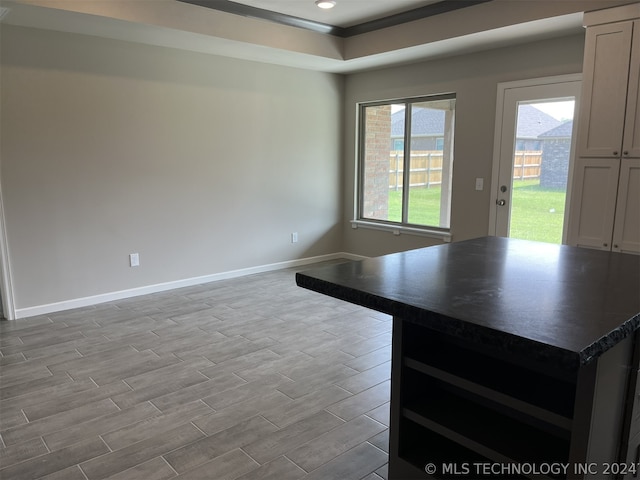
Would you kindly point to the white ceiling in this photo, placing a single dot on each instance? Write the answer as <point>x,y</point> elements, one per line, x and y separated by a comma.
<point>346,13</point>
<point>176,24</point>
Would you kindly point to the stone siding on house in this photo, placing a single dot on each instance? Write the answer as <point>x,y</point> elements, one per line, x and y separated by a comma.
<point>555,162</point>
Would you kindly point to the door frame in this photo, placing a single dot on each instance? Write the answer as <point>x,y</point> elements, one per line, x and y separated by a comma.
<point>6,288</point>
<point>503,88</point>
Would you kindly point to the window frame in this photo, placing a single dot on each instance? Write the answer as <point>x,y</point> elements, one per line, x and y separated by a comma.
<point>401,227</point>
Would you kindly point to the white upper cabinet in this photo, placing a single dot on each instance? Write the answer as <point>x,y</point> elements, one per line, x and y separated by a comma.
<point>610,120</point>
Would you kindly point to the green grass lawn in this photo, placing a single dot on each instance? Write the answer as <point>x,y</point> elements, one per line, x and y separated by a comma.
<point>424,206</point>
<point>536,213</point>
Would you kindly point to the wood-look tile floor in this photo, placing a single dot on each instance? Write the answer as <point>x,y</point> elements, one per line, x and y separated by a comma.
<point>248,378</point>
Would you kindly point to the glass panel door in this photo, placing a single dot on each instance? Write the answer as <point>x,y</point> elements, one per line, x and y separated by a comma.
<point>535,157</point>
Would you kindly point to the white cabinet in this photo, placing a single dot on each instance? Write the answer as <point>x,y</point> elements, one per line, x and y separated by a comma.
<point>605,87</point>
<point>605,198</point>
<point>608,195</point>
<point>594,193</point>
<point>626,227</point>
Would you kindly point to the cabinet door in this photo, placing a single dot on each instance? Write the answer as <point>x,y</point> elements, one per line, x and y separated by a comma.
<point>593,202</point>
<point>631,141</point>
<point>626,232</point>
<point>604,97</point>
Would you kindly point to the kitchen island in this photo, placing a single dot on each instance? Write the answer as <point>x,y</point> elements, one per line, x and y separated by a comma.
<point>510,359</point>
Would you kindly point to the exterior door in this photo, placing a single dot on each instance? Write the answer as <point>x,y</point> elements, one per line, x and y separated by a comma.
<point>533,158</point>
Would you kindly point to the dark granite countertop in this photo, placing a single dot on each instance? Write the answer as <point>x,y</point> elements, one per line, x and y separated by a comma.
<point>557,304</point>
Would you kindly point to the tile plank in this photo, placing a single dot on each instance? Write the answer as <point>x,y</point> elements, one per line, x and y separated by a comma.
<point>71,473</point>
<point>341,439</point>
<point>354,464</point>
<point>99,426</point>
<point>229,416</point>
<point>216,385</point>
<point>280,442</point>
<point>74,400</point>
<point>362,402</point>
<point>22,451</point>
<point>302,407</point>
<point>174,383</point>
<point>226,467</point>
<point>367,379</point>
<point>52,423</point>
<point>155,469</point>
<point>202,451</point>
<point>137,453</point>
<point>154,425</point>
<point>279,469</point>
<point>54,461</point>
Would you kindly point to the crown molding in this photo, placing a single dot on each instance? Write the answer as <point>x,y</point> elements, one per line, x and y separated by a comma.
<point>426,11</point>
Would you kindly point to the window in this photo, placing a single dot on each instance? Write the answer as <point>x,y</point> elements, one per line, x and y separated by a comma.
<point>409,187</point>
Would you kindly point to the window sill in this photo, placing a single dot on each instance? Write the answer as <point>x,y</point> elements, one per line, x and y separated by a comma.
<point>400,229</point>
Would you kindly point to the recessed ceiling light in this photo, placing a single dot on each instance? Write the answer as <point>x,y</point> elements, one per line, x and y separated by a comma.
<point>326,4</point>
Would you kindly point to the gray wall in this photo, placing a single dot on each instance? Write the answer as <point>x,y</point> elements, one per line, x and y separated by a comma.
<point>201,164</point>
<point>206,164</point>
<point>474,79</point>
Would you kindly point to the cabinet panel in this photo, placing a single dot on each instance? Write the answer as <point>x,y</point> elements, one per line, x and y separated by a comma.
<point>594,202</point>
<point>604,98</point>
<point>626,234</point>
<point>631,143</point>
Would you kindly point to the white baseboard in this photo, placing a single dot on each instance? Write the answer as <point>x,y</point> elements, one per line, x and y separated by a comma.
<point>162,287</point>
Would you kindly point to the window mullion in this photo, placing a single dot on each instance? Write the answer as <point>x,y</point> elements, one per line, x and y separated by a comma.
<point>406,168</point>
<point>361,161</point>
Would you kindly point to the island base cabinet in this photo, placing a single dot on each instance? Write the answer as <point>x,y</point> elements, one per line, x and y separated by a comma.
<point>460,410</point>
<point>631,433</point>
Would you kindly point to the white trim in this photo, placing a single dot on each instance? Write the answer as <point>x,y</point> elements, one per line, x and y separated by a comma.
<point>611,15</point>
<point>497,139</point>
<point>6,287</point>
<point>399,229</point>
<point>161,287</point>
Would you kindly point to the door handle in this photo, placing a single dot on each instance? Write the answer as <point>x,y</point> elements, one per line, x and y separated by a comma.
<point>501,202</point>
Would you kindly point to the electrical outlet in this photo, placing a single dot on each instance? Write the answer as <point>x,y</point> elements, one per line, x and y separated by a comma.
<point>294,237</point>
<point>134,259</point>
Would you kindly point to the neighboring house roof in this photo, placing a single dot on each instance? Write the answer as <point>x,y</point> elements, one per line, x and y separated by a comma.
<point>425,121</point>
<point>562,131</point>
<point>533,122</point>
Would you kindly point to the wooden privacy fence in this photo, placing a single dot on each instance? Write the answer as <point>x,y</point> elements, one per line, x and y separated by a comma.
<point>426,167</point>
<point>527,164</point>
